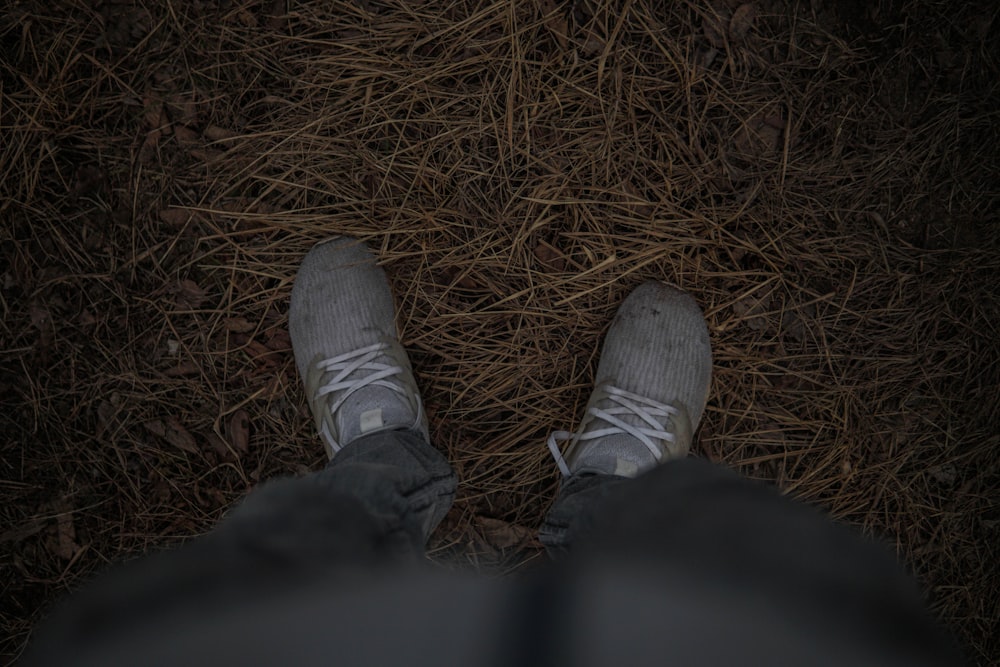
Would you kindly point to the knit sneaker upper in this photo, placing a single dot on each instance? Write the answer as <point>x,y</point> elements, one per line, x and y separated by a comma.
<point>342,325</point>
<point>651,386</point>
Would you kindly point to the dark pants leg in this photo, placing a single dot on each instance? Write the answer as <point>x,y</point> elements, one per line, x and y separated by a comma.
<point>376,503</point>
<point>687,565</point>
<point>708,524</point>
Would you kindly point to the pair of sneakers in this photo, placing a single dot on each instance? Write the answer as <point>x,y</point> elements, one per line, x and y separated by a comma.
<point>650,391</point>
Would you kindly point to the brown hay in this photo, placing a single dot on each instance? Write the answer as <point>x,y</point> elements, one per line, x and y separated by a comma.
<point>823,182</point>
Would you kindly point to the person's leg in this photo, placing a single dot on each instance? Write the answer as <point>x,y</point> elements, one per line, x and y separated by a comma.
<point>576,509</point>
<point>385,488</point>
<point>735,553</point>
<point>382,494</point>
<point>373,506</point>
<point>696,517</point>
<point>651,388</point>
<point>378,500</point>
<point>367,409</point>
<point>721,549</point>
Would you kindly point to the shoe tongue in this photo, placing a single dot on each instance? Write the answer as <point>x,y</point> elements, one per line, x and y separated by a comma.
<point>372,409</point>
<point>625,455</point>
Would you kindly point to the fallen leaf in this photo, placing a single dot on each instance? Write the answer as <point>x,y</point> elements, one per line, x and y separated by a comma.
<point>216,133</point>
<point>713,35</point>
<point>156,427</point>
<point>945,473</point>
<point>455,276</point>
<point>715,23</point>
<point>183,369</point>
<point>189,294</point>
<point>555,21</point>
<point>178,436</point>
<point>705,55</point>
<point>261,355</point>
<point>89,178</point>
<point>66,536</point>
<point>594,45</point>
<point>173,432</point>
<point>742,21</point>
<point>276,12</point>
<point>161,493</point>
<point>279,341</point>
<point>761,135</point>
<point>550,256</point>
<point>175,217</point>
<point>39,315</point>
<point>775,121</point>
<point>206,155</point>
<point>147,152</point>
<point>770,137</point>
<point>752,309</point>
<point>31,527</point>
<point>218,445</point>
<point>186,136</point>
<point>153,115</point>
<point>502,535</point>
<point>247,19</point>
<point>239,325</point>
<point>793,326</point>
<point>189,113</point>
<point>239,431</point>
<point>789,381</point>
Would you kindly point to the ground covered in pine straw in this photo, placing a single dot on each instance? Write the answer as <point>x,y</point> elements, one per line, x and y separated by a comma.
<point>822,176</point>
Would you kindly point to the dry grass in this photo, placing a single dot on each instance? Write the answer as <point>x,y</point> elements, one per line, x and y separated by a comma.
<point>823,180</point>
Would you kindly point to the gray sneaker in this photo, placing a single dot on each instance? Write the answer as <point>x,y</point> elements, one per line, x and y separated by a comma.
<point>342,325</point>
<point>651,387</point>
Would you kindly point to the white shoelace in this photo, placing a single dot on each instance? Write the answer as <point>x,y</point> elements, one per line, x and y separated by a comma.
<point>628,403</point>
<point>353,363</point>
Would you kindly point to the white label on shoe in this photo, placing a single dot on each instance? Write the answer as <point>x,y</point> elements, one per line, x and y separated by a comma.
<point>626,468</point>
<point>371,420</point>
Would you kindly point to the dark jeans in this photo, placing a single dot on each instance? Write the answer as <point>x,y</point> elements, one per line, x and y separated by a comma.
<point>686,565</point>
